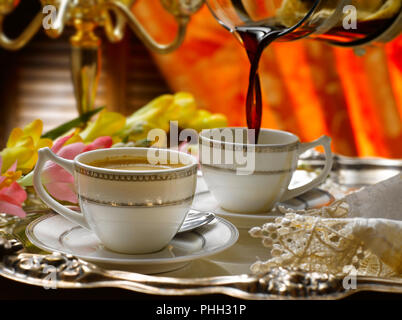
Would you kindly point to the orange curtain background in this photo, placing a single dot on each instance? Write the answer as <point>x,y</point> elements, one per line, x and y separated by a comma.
<point>309,87</point>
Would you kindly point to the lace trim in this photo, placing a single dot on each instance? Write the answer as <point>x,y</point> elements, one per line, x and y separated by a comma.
<point>318,240</point>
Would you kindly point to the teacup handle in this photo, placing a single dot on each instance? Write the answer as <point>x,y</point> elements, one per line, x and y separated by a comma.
<point>44,155</point>
<point>324,141</point>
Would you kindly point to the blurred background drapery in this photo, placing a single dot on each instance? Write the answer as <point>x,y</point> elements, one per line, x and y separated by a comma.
<point>309,87</point>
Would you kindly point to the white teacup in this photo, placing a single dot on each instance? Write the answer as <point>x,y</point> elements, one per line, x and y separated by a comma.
<point>130,211</point>
<point>252,178</point>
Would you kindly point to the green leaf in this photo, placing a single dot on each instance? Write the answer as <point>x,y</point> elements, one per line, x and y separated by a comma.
<point>26,180</point>
<point>77,122</point>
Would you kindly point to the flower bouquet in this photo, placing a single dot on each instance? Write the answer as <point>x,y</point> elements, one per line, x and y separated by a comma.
<point>96,129</point>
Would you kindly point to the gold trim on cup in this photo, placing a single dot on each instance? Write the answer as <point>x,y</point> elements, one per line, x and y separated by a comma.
<point>137,176</point>
<point>207,142</point>
<point>270,172</point>
<point>149,204</point>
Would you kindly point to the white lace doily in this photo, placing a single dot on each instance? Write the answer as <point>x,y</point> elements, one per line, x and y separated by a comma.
<point>350,235</point>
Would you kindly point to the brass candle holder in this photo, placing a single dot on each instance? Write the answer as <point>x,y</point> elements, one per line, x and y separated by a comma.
<point>85,16</point>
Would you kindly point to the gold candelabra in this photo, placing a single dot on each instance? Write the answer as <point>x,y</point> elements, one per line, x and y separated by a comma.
<point>85,16</point>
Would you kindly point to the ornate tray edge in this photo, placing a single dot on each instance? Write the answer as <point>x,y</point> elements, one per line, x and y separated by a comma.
<point>64,271</point>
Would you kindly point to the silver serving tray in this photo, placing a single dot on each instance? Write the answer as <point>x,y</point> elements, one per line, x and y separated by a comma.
<point>226,273</point>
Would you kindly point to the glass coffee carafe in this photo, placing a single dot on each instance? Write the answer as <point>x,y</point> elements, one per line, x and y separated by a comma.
<point>257,23</point>
<point>338,22</point>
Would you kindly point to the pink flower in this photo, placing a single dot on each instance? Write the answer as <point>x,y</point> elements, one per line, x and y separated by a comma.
<point>12,195</point>
<point>58,182</point>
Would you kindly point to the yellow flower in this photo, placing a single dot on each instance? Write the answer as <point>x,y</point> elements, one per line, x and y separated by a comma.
<point>217,120</point>
<point>205,120</point>
<point>149,116</point>
<point>158,113</point>
<point>22,146</point>
<point>182,109</point>
<point>107,124</point>
<point>141,129</point>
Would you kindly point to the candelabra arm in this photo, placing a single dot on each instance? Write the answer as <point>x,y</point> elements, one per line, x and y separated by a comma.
<point>114,33</point>
<point>144,36</point>
<point>24,37</point>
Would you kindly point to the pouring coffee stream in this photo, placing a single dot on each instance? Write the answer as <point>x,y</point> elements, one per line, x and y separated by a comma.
<point>256,38</point>
<point>345,23</point>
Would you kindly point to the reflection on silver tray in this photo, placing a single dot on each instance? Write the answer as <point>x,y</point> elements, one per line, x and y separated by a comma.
<point>355,172</point>
<point>21,261</point>
<point>65,271</point>
<point>314,198</point>
<point>54,233</point>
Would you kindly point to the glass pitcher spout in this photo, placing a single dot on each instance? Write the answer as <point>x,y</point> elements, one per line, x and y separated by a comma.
<point>339,22</point>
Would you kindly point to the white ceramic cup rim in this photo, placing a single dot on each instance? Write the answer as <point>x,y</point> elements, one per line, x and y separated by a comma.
<point>133,151</point>
<point>292,138</point>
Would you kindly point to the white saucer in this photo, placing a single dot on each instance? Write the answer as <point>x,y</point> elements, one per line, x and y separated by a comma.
<point>205,201</point>
<point>52,232</point>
